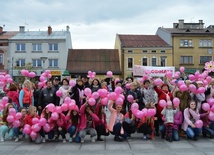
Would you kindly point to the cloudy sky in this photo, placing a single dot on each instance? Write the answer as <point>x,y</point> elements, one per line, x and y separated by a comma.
<point>95,23</point>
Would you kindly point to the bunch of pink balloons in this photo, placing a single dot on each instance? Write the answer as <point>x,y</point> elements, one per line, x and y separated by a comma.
<point>5,79</point>
<point>103,94</point>
<point>69,104</point>
<point>26,73</point>
<point>91,74</point>
<point>43,78</point>
<point>117,96</point>
<point>142,113</point>
<point>109,74</point>
<point>14,117</point>
<point>158,82</point>
<point>3,103</point>
<point>91,96</point>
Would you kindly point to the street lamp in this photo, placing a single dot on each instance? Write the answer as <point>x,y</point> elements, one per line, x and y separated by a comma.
<point>43,61</point>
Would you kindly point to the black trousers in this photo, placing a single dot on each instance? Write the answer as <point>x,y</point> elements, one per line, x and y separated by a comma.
<point>101,130</point>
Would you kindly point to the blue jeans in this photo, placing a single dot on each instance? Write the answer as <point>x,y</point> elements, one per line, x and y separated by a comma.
<point>16,131</point>
<point>208,130</point>
<point>175,135</point>
<point>71,131</point>
<point>4,129</point>
<point>192,132</point>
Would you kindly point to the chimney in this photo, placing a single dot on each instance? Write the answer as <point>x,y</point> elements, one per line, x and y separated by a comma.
<point>49,30</point>
<point>181,24</point>
<point>67,28</point>
<point>21,29</point>
<point>201,24</point>
<point>1,30</point>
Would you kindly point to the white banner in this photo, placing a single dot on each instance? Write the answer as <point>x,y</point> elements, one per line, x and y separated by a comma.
<point>153,71</point>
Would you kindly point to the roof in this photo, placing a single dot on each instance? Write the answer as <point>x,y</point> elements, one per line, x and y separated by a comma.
<point>40,35</point>
<point>207,31</point>
<point>139,41</point>
<point>7,35</point>
<point>95,60</point>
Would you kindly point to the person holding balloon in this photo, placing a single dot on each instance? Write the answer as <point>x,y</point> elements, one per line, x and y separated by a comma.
<point>72,126</point>
<point>95,85</point>
<point>65,90</point>
<point>14,95</point>
<point>19,130</point>
<point>5,124</point>
<point>192,124</point>
<point>26,98</point>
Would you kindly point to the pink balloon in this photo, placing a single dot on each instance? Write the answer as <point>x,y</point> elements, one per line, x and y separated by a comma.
<point>44,75</point>
<point>104,101</point>
<point>10,118</point>
<point>151,112</point>
<point>51,107</point>
<point>102,92</point>
<point>67,100</point>
<point>35,120</point>
<point>47,127</point>
<point>27,130</point>
<point>183,87</point>
<point>192,88</point>
<point>209,79</point>
<point>140,114</point>
<point>16,123</point>
<point>109,74</point>
<point>91,101</point>
<point>130,98</point>
<point>49,76</point>
<point>145,77</point>
<point>211,116</point>
<point>205,82</point>
<point>169,74</point>
<point>24,72</point>
<point>1,84</point>
<point>40,84</point>
<point>147,71</point>
<point>176,76</point>
<point>9,80</point>
<point>72,83</point>
<point>201,90</point>
<point>42,78</point>
<point>205,106</point>
<point>182,69</point>
<point>112,96</point>
<point>127,86</point>
<point>64,107</point>
<point>95,95</point>
<point>134,106</point>
<point>145,111</point>
<point>47,71</point>
<point>162,103</point>
<point>36,127</point>
<point>59,93</point>
<point>118,90</point>
<point>180,82</point>
<point>18,115</point>
<point>55,116</point>
<point>176,101</point>
<point>212,108</point>
<point>32,74</point>
<point>5,99</point>
<point>119,101</point>
<point>71,106</point>
<point>87,92</point>
<point>172,82</point>
<point>12,111</point>
<point>33,134</point>
<point>58,109</point>
<point>158,82</point>
<point>198,124</point>
<point>210,101</point>
<point>42,121</point>
<point>192,77</point>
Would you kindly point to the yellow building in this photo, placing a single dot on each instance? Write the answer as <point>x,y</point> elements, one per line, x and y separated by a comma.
<point>192,44</point>
<point>145,50</point>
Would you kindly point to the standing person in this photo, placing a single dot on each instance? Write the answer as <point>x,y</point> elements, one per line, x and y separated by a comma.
<point>77,93</point>
<point>56,86</point>
<point>87,120</point>
<point>36,94</point>
<point>73,123</point>
<point>14,95</point>
<point>191,115</point>
<point>115,122</point>
<point>101,125</point>
<point>47,95</point>
<point>19,130</point>
<point>4,125</point>
<point>26,95</point>
<point>85,81</point>
<point>95,85</point>
<point>168,112</point>
<point>65,89</point>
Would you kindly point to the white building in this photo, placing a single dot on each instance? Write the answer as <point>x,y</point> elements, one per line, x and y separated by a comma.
<point>43,49</point>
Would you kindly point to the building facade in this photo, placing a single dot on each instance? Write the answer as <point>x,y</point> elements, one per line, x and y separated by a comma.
<point>39,51</point>
<point>145,50</point>
<point>192,44</point>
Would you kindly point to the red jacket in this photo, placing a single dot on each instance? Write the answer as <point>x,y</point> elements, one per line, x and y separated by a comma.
<point>28,119</point>
<point>101,120</point>
<point>14,95</point>
<point>58,123</point>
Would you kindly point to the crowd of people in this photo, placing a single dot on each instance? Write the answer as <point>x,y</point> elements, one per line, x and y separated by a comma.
<point>170,121</point>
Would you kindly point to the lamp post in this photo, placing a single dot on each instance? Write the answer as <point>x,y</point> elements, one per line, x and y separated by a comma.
<point>43,61</point>
<point>12,68</point>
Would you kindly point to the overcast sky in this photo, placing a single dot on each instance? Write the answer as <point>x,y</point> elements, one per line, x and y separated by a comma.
<point>95,23</point>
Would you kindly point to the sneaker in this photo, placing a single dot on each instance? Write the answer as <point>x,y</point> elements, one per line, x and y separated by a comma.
<point>2,139</point>
<point>99,139</point>
<point>82,140</point>
<point>17,139</point>
<point>117,139</point>
<point>43,140</point>
<point>64,140</point>
<point>92,139</point>
<point>195,138</point>
<point>70,140</point>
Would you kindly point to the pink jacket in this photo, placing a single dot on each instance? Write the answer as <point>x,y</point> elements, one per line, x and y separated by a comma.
<point>113,117</point>
<point>83,119</point>
<point>69,123</point>
<point>187,121</point>
<point>205,119</point>
<point>178,119</point>
<point>60,122</point>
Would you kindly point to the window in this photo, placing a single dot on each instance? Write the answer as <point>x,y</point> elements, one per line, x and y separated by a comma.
<point>186,60</point>
<point>20,47</point>
<point>130,62</point>
<point>205,43</point>
<point>20,63</point>
<point>53,62</point>
<point>163,61</point>
<point>144,62</point>
<point>204,59</point>
<point>154,61</point>
<point>37,63</point>
<point>153,51</point>
<point>37,47</point>
<point>53,47</point>
<point>186,43</point>
<point>130,51</point>
<point>144,51</point>
<point>1,59</point>
<point>163,51</point>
